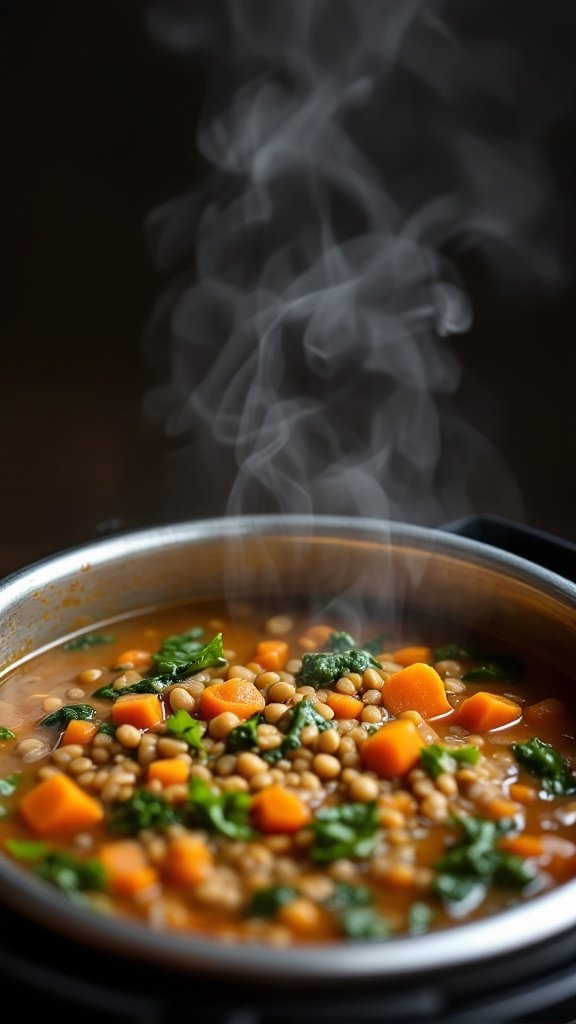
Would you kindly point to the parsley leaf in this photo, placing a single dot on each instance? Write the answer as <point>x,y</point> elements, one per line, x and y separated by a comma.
<point>346,830</point>
<point>178,649</point>
<point>68,713</point>
<point>6,734</point>
<point>227,813</point>
<point>437,759</point>
<point>143,810</point>
<point>547,764</point>
<point>268,901</point>
<point>319,670</point>
<point>191,730</point>
<point>86,640</point>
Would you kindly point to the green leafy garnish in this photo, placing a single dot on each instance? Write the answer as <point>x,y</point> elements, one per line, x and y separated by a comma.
<point>190,730</point>
<point>419,918</point>
<point>209,656</point>
<point>346,830</point>
<point>346,896</point>
<point>477,860</point>
<point>9,784</point>
<point>82,643</point>
<point>376,645</point>
<point>500,666</point>
<point>179,649</point>
<point>68,713</point>
<point>437,759</point>
<point>244,736</point>
<point>340,641</point>
<point>6,734</point>
<point>107,728</point>
<point>227,813</point>
<point>454,652</point>
<point>26,849</point>
<point>319,670</point>
<point>72,876</point>
<point>364,923</point>
<point>267,902</point>
<point>143,810</point>
<point>303,714</point>
<point>547,764</point>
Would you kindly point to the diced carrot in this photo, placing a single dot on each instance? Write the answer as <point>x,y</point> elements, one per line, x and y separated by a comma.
<point>556,855</point>
<point>523,845</point>
<point>127,868</point>
<point>523,794</point>
<point>499,808</point>
<point>484,711</point>
<point>343,705</point>
<point>276,809</point>
<point>237,695</point>
<point>393,750</point>
<point>188,861</point>
<point>170,771</point>
<point>303,916</point>
<point>135,658</point>
<point>399,876</point>
<point>271,654</point>
<point>410,655</point>
<point>144,710</point>
<point>58,804</point>
<point>79,731</point>
<point>416,688</point>
<point>549,712</point>
<point>317,636</point>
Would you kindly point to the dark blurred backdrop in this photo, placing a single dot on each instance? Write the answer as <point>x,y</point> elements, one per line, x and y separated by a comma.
<point>98,127</point>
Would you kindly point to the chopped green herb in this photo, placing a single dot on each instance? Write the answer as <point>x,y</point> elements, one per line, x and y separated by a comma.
<point>68,713</point>
<point>437,759</point>
<point>179,649</point>
<point>209,656</point>
<point>72,876</point>
<point>82,643</point>
<point>547,764</point>
<point>9,784</point>
<point>452,889</point>
<point>419,918</point>
<point>227,813</point>
<point>267,902</point>
<point>6,734</point>
<point>190,730</point>
<point>477,860</point>
<point>346,830</point>
<point>454,652</point>
<point>142,810</point>
<point>319,670</point>
<point>303,714</point>
<point>340,641</point>
<point>244,736</point>
<point>500,666</point>
<point>26,849</point>
<point>107,728</point>
<point>346,896</point>
<point>364,923</point>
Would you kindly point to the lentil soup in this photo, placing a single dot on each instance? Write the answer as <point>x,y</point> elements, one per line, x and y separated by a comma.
<point>270,777</point>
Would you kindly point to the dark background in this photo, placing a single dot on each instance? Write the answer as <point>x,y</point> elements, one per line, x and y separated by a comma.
<point>98,127</point>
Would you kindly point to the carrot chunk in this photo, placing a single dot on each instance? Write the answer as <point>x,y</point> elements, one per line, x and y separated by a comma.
<point>237,695</point>
<point>170,771</point>
<point>393,750</point>
<point>485,711</point>
<point>523,794</point>
<point>416,688</point>
<point>499,808</point>
<point>523,845</point>
<point>188,861</point>
<point>271,654</point>
<point>410,655</point>
<point>79,731</point>
<point>134,657</point>
<point>343,705</point>
<point>58,804</point>
<point>144,710</point>
<point>276,809</point>
<point>127,869</point>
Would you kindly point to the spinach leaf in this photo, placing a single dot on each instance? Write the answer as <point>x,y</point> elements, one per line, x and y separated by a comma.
<point>209,656</point>
<point>227,813</point>
<point>303,714</point>
<point>244,736</point>
<point>346,830</point>
<point>179,649</point>
<point>419,918</point>
<point>6,734</point>
<point>82,643</point>
<point>453,889</point>
<point>319,670</point>
<point>547,764</point>
<point>9,784</point>
<point>267,902</point>
<point>107,728</point>
<point>346,896</point>
<point>68,713</point>
<point>499,666</point>
<point>26,849</point>
<point>364,923</point>
<point>376,645</point>
<point>72,876</point>
<point>477,860</point>
<point>454,652</point>
<point>437,759</point>
<point>143,810</point>
<point>340,641</point>
<point>191,730</point>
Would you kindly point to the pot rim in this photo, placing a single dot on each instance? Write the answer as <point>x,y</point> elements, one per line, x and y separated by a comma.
<point>545,917</point>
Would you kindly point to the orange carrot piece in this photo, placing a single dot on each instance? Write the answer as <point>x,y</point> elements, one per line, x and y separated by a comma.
<point>523,845</point>
<point>410,655</point>
<point>343,705</point>
<point>416,688</point>
<point>271,654</point>
<point>276,809</point>
<point>170,771</point>
<point>188,861</point>
<point>127,870</point>
<point>523,794</point>
<point>144,710</point>
<point>485,711</point>
<point>315,637</point>
<point>236,695</point>
<point>548,712</point>
<point>500,808</point>
<point>393,750</point>
<point>135,658</point>
<point>79,731</point>
<point>58,804</point>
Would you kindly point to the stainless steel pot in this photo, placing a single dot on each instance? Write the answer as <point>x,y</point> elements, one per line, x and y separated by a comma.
<point>402,570</point>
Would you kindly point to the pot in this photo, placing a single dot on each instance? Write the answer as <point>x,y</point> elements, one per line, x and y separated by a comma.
<point>405,572</point>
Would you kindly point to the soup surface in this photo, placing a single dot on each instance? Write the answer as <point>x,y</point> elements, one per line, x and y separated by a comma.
<point>272,778</point>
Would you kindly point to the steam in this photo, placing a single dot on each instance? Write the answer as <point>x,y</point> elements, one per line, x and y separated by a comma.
<point>309,361</point>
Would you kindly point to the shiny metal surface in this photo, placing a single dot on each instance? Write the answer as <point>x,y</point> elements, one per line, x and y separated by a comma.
<point>399,569</point>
